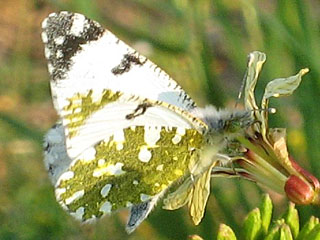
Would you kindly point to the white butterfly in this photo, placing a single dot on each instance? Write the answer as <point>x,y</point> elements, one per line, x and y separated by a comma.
<point>127,130</point>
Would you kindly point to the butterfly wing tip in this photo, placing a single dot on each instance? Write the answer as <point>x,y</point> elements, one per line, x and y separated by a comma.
<point>130,228</point>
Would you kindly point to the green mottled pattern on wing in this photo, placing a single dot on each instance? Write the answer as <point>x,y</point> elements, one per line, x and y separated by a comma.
<point>120,176</point>
<point>81,106</point>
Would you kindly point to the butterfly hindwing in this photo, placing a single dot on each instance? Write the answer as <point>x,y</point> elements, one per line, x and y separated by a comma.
<point>107,177</point>
<point>56,159</point>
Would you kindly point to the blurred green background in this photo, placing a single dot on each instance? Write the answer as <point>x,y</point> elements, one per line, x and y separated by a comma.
<point>203,44</point>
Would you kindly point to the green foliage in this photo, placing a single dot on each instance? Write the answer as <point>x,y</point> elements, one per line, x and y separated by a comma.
<point>257,225</point>
<point>225,233</point>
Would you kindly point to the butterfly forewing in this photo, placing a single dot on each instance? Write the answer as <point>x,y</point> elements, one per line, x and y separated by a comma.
<point>82,56</point>
<point>89,119</point>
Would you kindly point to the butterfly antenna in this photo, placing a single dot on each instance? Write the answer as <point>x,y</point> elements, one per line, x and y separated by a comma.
<point>243,83</point>
<point>269,110</point>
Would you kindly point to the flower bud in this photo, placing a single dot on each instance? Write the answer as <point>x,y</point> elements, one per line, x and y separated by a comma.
<point>299,191</point>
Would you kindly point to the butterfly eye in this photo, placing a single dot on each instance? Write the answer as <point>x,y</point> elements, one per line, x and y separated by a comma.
<point>233,126</point>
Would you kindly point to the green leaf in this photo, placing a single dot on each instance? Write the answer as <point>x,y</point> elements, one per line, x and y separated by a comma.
<point>285,232</point>
<point>266,213</point>
<point>195,237</point>
<point>225,233</point>
<point>291,217</point>
<point>315,233</point>
<point>252,225</point>
<point>307,228</point>
<point>273,234</point>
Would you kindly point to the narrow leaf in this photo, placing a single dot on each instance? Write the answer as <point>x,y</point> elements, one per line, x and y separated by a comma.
<point>266,213</point>
<point>252,225</point>
<point>307,228</point>
<point>292,219</point>
<point>315,233</point>
<point>273,234</point>
<point>225,233</point>
<point>285,232</point>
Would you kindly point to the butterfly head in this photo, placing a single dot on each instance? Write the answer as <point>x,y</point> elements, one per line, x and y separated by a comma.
<point>235,121</point>
<point>225,122</point>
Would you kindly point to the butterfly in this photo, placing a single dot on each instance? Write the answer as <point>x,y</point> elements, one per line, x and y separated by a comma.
<point>126,132</point>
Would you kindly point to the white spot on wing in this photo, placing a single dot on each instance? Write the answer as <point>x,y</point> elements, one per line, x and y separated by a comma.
<point>78,24</point>
<point>106,207</point>
<point>110,170</point>
<point>66,176</point>
<point>77,195</point>
<point>52,15</point>
<point>119,146</point>
<point>181,131</point>
<point>105,190</point>
<point>44,37</point>
<point>119,139</point>
<point>159,167</point>
<point>151,135</point>
<point>101,162</point>
<point>176,139</point>
<point>59,192</point>
<point>133,128</point>
<point>44,23</point>
<point>50,68</point>
<point>47,52</point>
<point>144,154</point>
<point>78,214</point>
<point>59,40</point>
<point>59,54</point>
<point>116,169</point>
<point>144,197</point>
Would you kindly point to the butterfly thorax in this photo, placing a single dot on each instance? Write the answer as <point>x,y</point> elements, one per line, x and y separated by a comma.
<point>223,126</point>
<point>224,123</point>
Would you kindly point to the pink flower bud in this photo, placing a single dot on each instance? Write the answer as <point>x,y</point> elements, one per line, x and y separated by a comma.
<point>298,190</point>
<point>312,179</point>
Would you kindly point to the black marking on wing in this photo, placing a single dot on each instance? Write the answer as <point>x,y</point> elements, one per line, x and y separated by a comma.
<point>137,214</point>
<point>58,26</point>
<point>126,63</point>
<point>46,147</point>
<point>140,110</point>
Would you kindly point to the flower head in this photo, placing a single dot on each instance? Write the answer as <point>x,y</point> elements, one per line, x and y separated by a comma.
<point>264,157</point>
